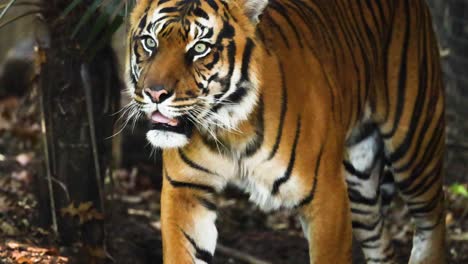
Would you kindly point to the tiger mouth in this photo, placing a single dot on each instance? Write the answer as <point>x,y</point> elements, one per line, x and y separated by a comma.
<point>179,125</point>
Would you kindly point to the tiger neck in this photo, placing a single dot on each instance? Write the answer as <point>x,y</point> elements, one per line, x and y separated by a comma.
<point>248,132</point>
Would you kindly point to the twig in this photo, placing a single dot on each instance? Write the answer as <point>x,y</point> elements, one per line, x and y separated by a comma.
<point>10,4</point>
<point>234,253</point>
<point>457,146</point>
<point>22,4</point>
<point>47,154</point>
<point>459,237</point>
<point>92,129</point>
<point>33,12</point>
<point>63,186</point>
<point>230,252</point>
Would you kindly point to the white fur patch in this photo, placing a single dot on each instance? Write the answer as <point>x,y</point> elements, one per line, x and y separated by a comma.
<point>258,183</point>
<point>254,8</point>
<point>166,139</point>
<point>205,233</point>
<point>363,154</point>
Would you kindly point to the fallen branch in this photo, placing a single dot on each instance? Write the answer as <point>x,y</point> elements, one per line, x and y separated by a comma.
<point>239,255</point>
<point>45,141</point>
<point>233,253</point>
<point>459,237</point>
<point>457,146</point>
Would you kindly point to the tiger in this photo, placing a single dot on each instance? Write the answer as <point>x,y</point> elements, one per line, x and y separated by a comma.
<point>303,104</point>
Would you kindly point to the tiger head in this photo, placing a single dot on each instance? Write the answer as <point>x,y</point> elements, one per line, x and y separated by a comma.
<point>194,64</point>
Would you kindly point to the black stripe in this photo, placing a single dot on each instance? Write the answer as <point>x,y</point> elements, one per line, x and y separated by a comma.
<point>142,23</point>
<point>360,211</point>
<point>209,205</point>
<point>171,9</point>
<point>440,220</point>
<point>215,60</point>
<point>284,109</point>
<point>365,242</point>
<point>213,5</point>
<point>237,95</point>
<point>194,165</point>
<point>402,75</point>
<point>200,253</point>
<point>227,32</point>
<point>415,119</point>
<point>366,226</point>
<point>292,159</point>
<point>356,197</point>
<point>309,198</point>
<point>201,13</point>
<point>383,259</point>
<point>189,185</point>
<point>403,148</point>
<point>278,28</point>
<point>225,81</point>
<point>427,158</point>
<point>425,207</point>
<point>427,183</point>
<point>249,46</point>
<point>284,13</point>
<point>359,174</point>
<point>252,148</point>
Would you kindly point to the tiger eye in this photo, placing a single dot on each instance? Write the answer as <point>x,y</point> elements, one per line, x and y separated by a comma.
<point>150,43</point>
<point>200,48</point>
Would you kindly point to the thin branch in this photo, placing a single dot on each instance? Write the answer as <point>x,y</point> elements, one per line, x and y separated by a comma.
<point>40,4</point>
<point>47,155</point>
<point>10,4</point>
<point>234,253</point>
<point>63,186</point>
<point>33,12</point>
<point>457,145</point>
<point>92,129</point>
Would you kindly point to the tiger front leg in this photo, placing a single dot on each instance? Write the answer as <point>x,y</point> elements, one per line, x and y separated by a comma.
<point>188,217</point>
<point>326,220</point>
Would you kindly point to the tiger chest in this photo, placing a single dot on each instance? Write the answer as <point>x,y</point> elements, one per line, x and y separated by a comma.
<point>270,185</point>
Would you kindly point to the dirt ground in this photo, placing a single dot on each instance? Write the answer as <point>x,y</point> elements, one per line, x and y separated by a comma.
<point>246,235</point>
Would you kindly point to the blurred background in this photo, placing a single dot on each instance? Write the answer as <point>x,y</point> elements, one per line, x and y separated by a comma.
<point>73,189</point>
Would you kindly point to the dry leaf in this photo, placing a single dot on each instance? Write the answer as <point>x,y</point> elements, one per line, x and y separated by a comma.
<point>40,57</point>
<point>24,159</point>
<point>97,252</point>
<point>8,229</point>
<point>84,207</point>
<point>84,212</point>
<point>24,260</point>
<point>13,245</point>
<point>70,210</point>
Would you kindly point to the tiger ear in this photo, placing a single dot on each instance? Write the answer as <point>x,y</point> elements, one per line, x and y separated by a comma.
<point>253,8</point>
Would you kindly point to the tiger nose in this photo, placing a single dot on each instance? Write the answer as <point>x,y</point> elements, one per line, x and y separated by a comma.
<point>157,93</point>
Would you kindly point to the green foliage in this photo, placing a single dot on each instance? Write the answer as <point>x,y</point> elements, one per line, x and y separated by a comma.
<point>459,189</point>
<point>6,7</point>
<point>107,17</point>
<point>111,16</point>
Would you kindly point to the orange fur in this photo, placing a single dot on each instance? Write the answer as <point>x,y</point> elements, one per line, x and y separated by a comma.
<point>333,65</point>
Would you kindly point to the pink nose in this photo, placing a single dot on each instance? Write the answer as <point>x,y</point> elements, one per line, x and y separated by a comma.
<point>157,96</point>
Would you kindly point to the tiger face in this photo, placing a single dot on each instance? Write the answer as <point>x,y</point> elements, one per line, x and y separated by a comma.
<point>193,65</point>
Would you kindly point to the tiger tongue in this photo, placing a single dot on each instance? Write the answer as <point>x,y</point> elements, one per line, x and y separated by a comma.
<point>157,117</point>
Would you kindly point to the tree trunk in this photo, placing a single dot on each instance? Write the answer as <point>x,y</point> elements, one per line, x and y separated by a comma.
<point>451,24</point>
<point>79,97</point>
